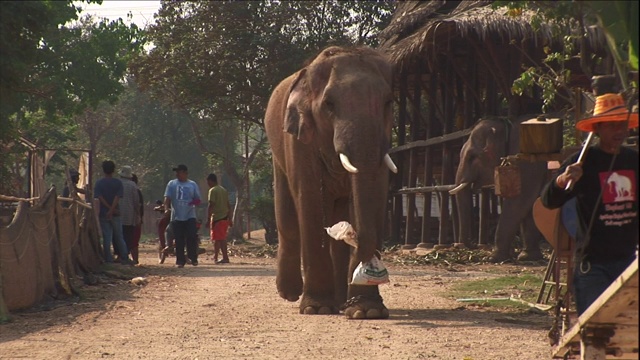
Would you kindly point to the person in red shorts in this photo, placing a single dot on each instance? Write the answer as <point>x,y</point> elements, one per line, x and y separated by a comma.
<point>219,215</point>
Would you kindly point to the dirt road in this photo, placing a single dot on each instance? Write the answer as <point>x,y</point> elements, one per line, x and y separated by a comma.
<point>232,311</point>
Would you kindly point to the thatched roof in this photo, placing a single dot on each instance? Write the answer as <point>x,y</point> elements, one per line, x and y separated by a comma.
<point>418,28</point>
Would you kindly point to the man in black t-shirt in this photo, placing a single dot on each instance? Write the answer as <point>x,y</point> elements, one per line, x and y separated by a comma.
<point>605,185</point>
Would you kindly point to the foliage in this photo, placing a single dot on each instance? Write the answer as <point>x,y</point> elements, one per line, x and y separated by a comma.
<point>263,209</point>
<point>138,131</point>
<point>619,21</point>
<point>52,68</point>
<point>218,61</point>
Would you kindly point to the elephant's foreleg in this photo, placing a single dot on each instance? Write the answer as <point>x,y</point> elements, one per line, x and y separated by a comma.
<point>289,277</point>
<point>318,295</point>
<point>508,225</point>
<point>532,238</point>
<point>364,301</point>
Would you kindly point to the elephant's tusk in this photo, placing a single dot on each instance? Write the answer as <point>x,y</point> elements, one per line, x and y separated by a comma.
<point>347,164</point>
<point>390,164</point>
<point>458,188</point>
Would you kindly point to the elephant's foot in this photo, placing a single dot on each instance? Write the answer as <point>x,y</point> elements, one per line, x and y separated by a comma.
<point>499,257</point>
<point>289,287</point>
<point>530,255</point>
<point>365,307</point>
<point>317,306</point>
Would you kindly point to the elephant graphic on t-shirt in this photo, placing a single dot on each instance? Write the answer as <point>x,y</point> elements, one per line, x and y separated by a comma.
<point>623,187</point>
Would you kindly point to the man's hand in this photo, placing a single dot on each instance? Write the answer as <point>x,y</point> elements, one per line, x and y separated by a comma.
<point>572,173</point>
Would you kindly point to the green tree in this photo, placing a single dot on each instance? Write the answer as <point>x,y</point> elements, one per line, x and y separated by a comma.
<point>138,131</point>
<point>52,68</point>
<point>219,61</point>
<point>617,19</point>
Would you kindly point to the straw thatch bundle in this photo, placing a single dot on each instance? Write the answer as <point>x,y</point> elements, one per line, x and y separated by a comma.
<point>427,28</point>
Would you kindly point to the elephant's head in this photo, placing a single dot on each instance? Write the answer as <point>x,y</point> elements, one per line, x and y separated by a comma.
<point>481,153</point>
<point>342,104</point>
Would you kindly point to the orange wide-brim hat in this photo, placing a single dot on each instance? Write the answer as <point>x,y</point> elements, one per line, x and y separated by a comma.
<point>609,108</point>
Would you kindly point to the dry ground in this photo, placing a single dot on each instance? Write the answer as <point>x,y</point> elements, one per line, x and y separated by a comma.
<point>232,311</point>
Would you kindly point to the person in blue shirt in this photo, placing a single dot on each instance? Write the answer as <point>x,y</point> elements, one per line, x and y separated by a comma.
<point>181,197</point>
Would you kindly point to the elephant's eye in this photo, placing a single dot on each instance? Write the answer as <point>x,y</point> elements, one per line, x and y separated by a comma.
<point>329,105</point>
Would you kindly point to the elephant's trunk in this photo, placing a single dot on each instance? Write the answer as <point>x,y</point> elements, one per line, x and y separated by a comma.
<point>465,214</point>
<point>369,202</point>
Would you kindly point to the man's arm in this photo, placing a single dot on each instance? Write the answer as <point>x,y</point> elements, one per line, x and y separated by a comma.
<point>167,204</point>
<point>209,213</point>
<point>554,195</point>
<point>104,202</point>
<point>196,195</point>
<point>167,199</point>
<point>116,200</point>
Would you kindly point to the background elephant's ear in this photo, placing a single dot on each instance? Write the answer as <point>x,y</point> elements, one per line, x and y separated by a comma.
<point>297,117</point>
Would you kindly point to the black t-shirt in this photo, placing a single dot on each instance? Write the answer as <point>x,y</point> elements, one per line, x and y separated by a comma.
<point>614,233</point>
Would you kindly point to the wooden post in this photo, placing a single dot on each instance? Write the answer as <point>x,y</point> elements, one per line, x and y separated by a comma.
<point>469,99</point>
<point>402,118</point>
<point>443,241</point>
<point>402,111</point>
<point>425,241</point>
<point>447,163</point>
<point>409,241</point>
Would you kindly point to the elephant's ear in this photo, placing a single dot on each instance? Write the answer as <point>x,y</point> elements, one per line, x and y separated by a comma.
<point>297,118</point>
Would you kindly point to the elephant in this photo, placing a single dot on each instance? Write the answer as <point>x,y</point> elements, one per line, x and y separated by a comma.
<point>623,186</point>
<point>489,140</point>
<point>329,128</point>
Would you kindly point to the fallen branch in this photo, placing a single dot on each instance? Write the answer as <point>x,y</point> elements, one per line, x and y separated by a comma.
<point>511,298</point>
<point>6,198</point>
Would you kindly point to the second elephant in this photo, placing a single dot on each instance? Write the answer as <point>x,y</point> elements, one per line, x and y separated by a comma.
<point>491,139</point>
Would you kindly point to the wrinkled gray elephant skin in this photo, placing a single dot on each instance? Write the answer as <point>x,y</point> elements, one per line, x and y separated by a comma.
<point>490,140</point>
<point>329,126</point>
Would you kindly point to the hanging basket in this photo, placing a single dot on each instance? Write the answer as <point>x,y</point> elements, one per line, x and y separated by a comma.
<point>507,179</point>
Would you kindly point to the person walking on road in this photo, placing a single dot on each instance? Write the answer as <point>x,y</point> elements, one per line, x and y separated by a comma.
<point>181,196</point>
<point>219,218</point>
